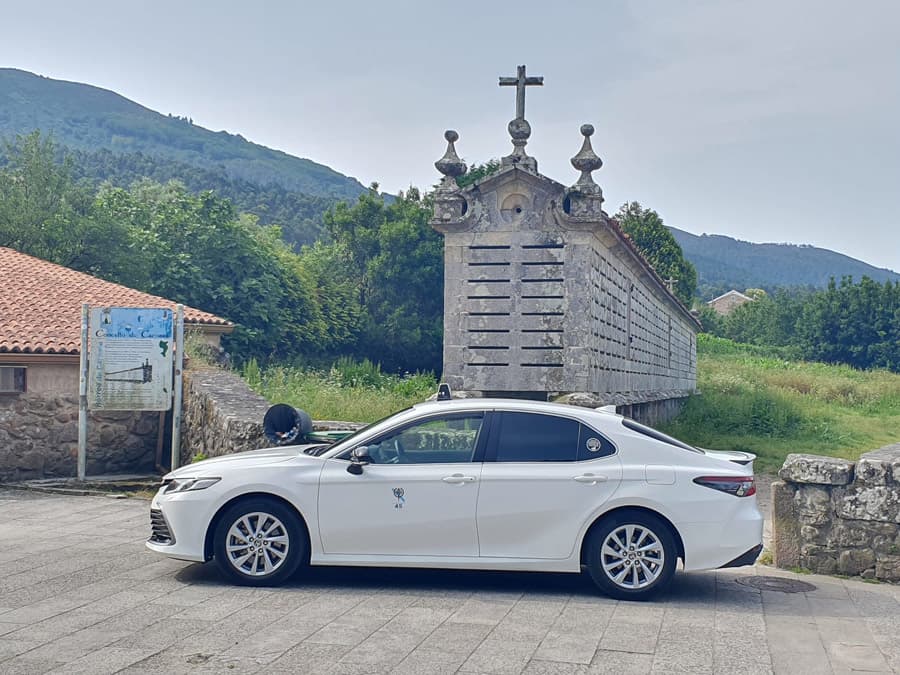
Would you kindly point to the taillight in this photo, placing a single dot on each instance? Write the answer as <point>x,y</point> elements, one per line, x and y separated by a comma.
<point>739,486</point>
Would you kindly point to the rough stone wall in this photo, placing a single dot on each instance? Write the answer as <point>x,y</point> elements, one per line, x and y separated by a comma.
<point>221,415</point>
<point>836,516</point>
<point>39,438</point>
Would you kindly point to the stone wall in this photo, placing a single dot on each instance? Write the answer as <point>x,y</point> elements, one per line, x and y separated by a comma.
<point>835,516</point>
<point>222,415</point>
<point>39,438</point>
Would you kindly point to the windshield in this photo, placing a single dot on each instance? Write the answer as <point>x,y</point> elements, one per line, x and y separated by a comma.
<point>629,423</point>
<point>349,441</point>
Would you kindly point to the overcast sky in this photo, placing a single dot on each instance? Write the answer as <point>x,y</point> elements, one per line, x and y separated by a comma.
<point>765,120</point>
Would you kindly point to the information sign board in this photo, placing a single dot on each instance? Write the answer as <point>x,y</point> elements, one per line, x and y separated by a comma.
<point>130,365</point>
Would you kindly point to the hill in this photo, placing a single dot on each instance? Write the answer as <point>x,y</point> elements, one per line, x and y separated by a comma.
<point>723,263</point>
<point>84,117</point>
<point>298,214</point>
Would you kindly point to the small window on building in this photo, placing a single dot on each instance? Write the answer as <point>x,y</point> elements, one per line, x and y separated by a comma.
<point>12,380</point>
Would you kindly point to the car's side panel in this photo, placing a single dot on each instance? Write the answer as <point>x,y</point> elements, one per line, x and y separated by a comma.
<point>535,509</point>
<point>399,509</point>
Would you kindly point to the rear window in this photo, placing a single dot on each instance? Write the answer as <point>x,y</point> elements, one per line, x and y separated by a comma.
<point>629,423</point>
<point>537,437</point>
<point>529,437</point>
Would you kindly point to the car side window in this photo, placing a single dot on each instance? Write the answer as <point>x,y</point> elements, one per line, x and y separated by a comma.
<point>533,437</point>
<point>440,440</point>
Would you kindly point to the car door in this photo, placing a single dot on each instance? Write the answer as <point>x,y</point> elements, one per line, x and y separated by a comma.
<point>544,475</point>
<point>416,498</point>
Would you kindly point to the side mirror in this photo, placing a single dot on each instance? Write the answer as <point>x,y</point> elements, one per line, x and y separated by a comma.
<point>359,457</point>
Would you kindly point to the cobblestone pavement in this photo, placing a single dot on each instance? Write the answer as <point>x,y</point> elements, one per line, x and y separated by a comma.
<point>80,594</point>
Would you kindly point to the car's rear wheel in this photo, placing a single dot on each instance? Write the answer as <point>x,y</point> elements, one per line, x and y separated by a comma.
<point>631,555</point>
<point>259,542</point>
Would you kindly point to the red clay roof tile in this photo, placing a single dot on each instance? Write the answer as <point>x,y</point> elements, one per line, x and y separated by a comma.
<point>40,304</point>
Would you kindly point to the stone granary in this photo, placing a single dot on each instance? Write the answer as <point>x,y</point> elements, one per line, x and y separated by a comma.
<point>544,294</point>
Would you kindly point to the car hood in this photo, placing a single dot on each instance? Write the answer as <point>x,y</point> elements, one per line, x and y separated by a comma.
<point>238,460</point>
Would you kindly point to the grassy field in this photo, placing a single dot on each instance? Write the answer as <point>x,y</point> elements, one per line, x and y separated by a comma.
<point>348,391</point>
<point>752,399</point>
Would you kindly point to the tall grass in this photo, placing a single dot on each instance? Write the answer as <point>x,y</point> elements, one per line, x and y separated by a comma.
<point>752,398</point>
<point>352,391</point>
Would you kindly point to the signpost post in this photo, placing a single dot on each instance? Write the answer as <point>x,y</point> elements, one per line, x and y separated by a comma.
<point>179,367</point>
<point>82,394</point>
<point>127,363</point>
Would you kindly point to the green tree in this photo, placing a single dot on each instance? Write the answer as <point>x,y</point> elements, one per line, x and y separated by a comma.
<point>659,247</point>
<point>713,322</point>
<point>857,324</point>
<point>396,259</point>
<point>45,213</point>
<point>195,249</point>
<point>479,171</point>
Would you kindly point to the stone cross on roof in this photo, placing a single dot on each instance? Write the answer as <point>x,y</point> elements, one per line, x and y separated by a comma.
<point>520,81</point>
<point>519,129</point>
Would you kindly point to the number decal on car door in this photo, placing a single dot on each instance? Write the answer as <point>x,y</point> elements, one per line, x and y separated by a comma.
<point>401,500</point>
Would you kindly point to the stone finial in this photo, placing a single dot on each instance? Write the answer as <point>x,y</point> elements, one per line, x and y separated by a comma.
<point>449,204</point>
<point>519,132</point>
<point>450,165</point>
<point>587,161</point>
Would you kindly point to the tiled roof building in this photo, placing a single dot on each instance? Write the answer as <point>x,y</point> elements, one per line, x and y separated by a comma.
<point>40,342</point>
<point>40,305</point>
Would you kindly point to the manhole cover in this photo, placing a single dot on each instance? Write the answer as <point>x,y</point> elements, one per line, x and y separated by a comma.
<point>780,584</point>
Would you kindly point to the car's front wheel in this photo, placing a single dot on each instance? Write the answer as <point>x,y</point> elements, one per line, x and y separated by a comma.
<point>631,555</point>
<point>259,542</point>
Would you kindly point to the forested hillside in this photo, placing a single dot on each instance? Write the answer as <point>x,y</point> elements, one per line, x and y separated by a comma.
<point>88,118</point>
<point>724,263</point>
<point>298,215</point>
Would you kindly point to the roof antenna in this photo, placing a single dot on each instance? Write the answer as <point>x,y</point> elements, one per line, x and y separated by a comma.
<point>444,393</point>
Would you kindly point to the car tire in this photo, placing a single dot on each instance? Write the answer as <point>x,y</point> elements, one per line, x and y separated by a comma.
<point>260,542</point>
<point>631,555</point>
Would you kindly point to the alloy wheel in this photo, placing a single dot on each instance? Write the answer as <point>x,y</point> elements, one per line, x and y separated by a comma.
<point>632,556</point>
<point>257,544</point>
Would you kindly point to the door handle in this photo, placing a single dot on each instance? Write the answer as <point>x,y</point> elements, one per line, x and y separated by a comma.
<point>590,478</point>
<point>458,478</point>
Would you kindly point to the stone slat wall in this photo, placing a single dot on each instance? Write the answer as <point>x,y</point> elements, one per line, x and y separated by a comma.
<point>837,516</point>
<point>637,345</point>
<point>559,311</point>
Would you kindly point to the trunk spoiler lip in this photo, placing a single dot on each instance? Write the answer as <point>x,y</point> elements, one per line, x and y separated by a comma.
<point>737,456</point>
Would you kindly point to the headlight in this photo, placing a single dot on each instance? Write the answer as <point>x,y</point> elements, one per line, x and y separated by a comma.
<point>188,484</point>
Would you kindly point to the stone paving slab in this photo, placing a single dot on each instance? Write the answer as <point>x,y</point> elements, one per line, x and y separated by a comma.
<point>80,594</point>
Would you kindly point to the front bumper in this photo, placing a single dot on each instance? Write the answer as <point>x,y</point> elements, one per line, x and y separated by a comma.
<point>179,523</point>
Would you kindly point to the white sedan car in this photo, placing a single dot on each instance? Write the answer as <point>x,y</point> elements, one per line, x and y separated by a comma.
<point>476,484</point>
